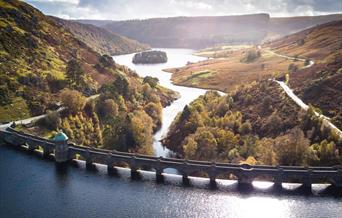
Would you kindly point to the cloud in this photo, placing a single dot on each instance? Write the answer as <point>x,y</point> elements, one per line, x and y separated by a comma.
<point>132,9</point>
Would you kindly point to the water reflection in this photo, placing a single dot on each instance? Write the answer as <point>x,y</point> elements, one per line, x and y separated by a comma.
<point>30,187</point>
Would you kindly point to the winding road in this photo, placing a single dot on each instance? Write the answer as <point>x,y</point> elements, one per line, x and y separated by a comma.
<point>32,119</point>
<point>325,120</point>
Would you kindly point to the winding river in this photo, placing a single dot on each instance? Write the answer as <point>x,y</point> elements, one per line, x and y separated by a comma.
<point>31,186</point>
<point>176,58</point>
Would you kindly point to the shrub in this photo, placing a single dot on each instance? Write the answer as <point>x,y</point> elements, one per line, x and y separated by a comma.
<point>52,120</point>
<point>251,55</point>
<point>245,128</point>
<point>152,81</point>
<point>307,62</point>
<point>292,68</point>
<point>73,100</point>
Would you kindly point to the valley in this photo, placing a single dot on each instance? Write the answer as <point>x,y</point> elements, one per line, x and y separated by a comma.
<point>170,108</point>
<point>259,103</point>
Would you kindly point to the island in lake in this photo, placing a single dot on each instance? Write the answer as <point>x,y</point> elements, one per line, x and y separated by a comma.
<point>150,57</point>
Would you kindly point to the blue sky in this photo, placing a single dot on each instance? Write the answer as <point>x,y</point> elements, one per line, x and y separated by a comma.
<point>138,9</point>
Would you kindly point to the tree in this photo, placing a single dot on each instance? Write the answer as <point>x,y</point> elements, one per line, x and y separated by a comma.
<point>141,126</point>
<point>251,56</point>
<point>107,108</point>
<point>74,73</point>
<point>52,120</point>
<point>245,128</point>
<point>273,125</point>
<point>207,144</point>
<point>328,154</point>
<point>120,86</point>
<point>226,140</point>
<point>190,147</point>
<point>106,61</point>
<point>152,81</point>
<point>73,100</point>
<point>155,112</point>
<point>266,104</point>
<point>291,148</point>
<point>248,148</point>
<point>116,134</point>
<point>265,151</point>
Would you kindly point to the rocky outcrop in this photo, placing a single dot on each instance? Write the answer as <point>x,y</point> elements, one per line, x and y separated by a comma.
<point>150,57</point>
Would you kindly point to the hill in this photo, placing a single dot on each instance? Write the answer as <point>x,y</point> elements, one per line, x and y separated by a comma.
<point>101,40</point>
<point>194,32</point>
<point>282,26</point>
<point>43,65</point>
<point>319,85</point>
<point>232,69</point>
<point>319,43</point>
<point>200,32</point>
<point>258,123</point>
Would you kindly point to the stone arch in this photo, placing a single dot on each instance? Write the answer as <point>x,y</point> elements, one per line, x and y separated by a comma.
<point>199,173</point>
<point>227,176</point>
<point>171,170</point>
<point>264,178</point>
<point>147,167</point>
<point>121,163</point>
<point>31,146</point>
<point>324,180</point>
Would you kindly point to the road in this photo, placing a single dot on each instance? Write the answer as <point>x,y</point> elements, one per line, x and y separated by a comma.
<point>325,120</point>
<point>32,119</point>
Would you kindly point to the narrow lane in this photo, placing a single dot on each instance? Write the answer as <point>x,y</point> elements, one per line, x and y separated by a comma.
<point>325,120</point>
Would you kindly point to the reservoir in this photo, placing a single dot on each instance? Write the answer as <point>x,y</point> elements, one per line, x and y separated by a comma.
<point>31,186</point>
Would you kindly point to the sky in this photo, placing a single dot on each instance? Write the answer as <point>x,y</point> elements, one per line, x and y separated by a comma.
<point>141,9</point>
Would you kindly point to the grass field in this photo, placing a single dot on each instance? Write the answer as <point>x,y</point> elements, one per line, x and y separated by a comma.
<point>229,72</point>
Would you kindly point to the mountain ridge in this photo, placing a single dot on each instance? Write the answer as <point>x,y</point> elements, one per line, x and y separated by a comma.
<point>101,40</point>
<point>169,30</point>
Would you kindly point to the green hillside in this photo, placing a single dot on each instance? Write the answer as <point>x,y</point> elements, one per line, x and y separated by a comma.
<point>42,65</point>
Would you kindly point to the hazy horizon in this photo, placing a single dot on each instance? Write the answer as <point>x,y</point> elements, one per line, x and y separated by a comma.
<point>144,9</point>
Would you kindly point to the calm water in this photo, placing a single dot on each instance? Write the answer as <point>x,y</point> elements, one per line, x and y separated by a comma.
<point>32,187</point>
<point>176,58</point>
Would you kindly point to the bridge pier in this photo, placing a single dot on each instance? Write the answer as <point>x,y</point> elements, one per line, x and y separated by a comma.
<point>111,170</point>
<point>46,152</point>
<point>338,179</point>
<point>212,183</point>
<point>185,179</point>
<point>212,176</point>
<point>306,188</point>
<point>159,176</point>
<point>245,182</point>
<point>134,172</point>
<point>30,148</point>
<point>277,186</point>
<point>135,175</point>
<point>307,184</point>
<point>90,165</point>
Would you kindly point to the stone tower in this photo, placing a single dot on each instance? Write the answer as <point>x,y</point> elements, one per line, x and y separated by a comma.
<point>61,147</point>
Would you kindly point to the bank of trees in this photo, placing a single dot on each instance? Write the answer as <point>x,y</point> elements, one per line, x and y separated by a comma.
<point>123,117</point>
<point>211,129</point>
